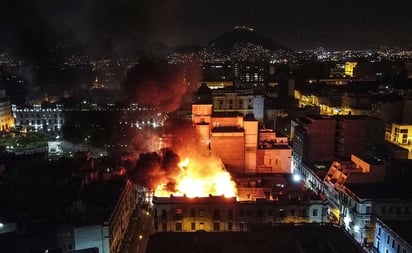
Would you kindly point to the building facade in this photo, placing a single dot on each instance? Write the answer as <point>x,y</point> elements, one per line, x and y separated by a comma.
<point>217,213</point>
<point>39,119</point>
<point>6,116</point>
<point>392,236</point>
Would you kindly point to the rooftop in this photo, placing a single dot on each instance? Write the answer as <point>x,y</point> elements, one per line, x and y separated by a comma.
<point>264,238</point>
<point>226,114</point>
<point>226,129</point>
<point>380,190</point>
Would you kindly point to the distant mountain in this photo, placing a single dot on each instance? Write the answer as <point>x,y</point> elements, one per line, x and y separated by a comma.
<point>243,35</point>
<point>187,49</point>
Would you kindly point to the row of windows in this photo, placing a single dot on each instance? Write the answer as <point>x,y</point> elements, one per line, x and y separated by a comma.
<point>38,115</point>
<point>38,122</point>
<point>395,210</point>
<point>179,213</point>
<point>390,242</point>
<point>199,226</point>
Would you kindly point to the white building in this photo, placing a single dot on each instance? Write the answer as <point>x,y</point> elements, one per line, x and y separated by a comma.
<point>393,236</point>
<point>38,118</point>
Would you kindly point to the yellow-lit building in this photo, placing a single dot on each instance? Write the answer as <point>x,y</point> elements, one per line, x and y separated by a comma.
<point>6,116</point>
<point>218,213</point>
<point>349,66</point>
<point>218,84</point>
<point>401,134</point>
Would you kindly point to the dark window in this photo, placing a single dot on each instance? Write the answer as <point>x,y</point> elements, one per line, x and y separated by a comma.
<point>303,212</point>
<point>398,210</point>
<point>383,209</point>
<point>201,213</point>
<point>193,226</point>
<point>391,210</point>
<point>368,209</point>
<point>178,226</point>
<point>260,213</point>
<point>242,213</point>
<point>393,243</point>
<point>388,239</point>
<point>164,226</point>
<point>270,211</point>
<point>379,231</point>
<point>216,226</point>
<point>230,226</point>
<point>315,212</point>
<point>164,214</point>
<point>292,212</point>
<point>193,213</point>
<point>216,214</point>
<point>230,213</point>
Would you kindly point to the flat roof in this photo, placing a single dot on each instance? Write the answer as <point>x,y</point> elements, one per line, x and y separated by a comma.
<point>380,190</point>
<point>226,129</point>
<point>226,114</point>
<point>262,238</point>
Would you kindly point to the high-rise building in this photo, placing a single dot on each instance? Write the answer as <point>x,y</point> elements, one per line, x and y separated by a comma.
<point>314,139</point>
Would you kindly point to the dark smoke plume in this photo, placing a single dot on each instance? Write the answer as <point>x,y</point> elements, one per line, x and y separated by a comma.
<point>154,168</point>
<point>155,83</point>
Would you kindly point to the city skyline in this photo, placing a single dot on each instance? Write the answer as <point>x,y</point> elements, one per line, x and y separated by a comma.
<point>119,27</point>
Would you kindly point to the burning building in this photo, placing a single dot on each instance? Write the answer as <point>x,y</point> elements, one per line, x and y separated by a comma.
<point>237,140</point>
<point>219,213</point>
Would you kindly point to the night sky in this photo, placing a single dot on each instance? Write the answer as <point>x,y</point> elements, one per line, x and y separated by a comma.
<point>115,26</point>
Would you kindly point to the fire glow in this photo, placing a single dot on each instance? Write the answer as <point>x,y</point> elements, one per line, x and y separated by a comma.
<point>199,179</point>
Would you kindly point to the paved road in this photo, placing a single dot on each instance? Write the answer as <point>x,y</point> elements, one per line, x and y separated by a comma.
<point>140,232</point>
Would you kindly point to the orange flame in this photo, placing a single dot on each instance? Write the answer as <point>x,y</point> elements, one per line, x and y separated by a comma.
<point>200,179</point>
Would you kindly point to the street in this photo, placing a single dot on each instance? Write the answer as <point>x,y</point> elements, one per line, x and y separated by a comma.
<point>140,231</point>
